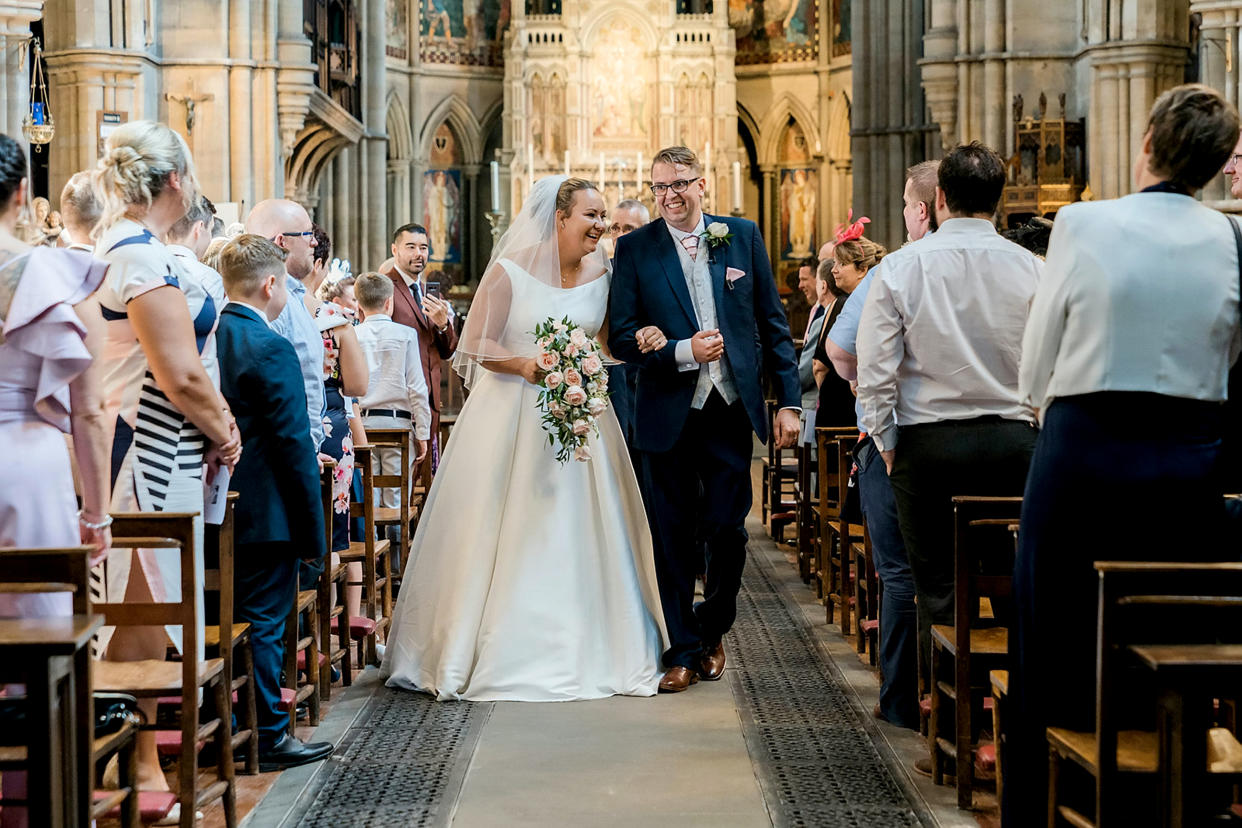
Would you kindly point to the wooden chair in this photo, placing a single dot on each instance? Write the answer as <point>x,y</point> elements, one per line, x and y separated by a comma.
<point>335,617</point>
<point>156,679</point>
<point>29,571</point>
<point>405,513</point>
<point>218,579</point>
<point>999,680</point>
<point>838,533</point>
<point>963,654</point>
<point>374,555</point>
<point>866,597</point>
<point>306,667</point>
<point>779,474</point>
<point>806,495</point>
<point>1140,603</point>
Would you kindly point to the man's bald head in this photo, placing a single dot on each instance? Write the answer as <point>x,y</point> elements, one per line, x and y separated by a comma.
<point>289,225</point>
<point>80,207</point>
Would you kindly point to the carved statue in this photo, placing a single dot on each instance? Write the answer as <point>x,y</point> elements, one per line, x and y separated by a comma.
<point>1017,107</point>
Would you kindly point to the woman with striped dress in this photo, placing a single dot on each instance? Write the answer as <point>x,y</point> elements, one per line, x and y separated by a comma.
<point>168,415</point>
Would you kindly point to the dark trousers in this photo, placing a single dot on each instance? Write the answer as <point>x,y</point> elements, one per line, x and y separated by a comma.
<point>1097,461</point>
<point>703,482</point>
<point>986,456</point>
<point>265,581</point>
<point>898,644</point>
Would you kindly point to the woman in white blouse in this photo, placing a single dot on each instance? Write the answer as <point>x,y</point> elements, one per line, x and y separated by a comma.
<point>1126,353</point>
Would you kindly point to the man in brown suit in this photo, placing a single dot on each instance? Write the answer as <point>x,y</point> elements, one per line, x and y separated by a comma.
<point>431,316</point>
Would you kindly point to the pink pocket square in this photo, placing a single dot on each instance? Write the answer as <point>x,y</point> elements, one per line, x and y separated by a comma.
<point>732,274</point>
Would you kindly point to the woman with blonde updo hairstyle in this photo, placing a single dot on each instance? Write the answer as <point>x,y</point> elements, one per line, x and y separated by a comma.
<point>162,393</point>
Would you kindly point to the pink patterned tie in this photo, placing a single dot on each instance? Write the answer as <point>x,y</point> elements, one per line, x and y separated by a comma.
<point>691,243</point>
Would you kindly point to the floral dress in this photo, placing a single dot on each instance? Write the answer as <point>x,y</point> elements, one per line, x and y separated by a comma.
<point>337,443</point>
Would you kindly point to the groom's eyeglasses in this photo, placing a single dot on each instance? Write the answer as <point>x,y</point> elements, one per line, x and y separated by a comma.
<point>678,186</point>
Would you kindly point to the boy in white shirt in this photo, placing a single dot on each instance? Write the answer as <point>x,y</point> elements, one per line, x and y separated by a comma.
<point>397,393</point>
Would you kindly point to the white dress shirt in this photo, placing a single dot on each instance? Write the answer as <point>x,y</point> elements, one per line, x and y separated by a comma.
<point>1139,294</point>
<point>941,331</point>
<point>296,324</point>
<point>396,366</point>
<point>699,282</point>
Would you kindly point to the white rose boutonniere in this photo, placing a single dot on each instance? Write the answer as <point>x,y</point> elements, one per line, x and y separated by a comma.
<point>717,235</point>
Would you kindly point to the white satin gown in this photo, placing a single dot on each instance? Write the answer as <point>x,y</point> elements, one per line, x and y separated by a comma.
<point>529,580</point>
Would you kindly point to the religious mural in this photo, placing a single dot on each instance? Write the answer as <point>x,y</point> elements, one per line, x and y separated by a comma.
<point>463,31</point>
<point>840,27</point>
<point>797,199</point>
<point>397,43</point>
<point>547,117</point>
<point>619,86</point>
<point>442,214</point>
<point>775,31</point>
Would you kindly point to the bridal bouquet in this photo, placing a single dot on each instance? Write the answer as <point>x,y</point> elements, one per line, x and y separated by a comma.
<point>574,388</point>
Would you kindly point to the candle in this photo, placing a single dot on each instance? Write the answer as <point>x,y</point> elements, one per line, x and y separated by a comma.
<point>737,186</point>
<point>639,171</point>
<point>601,170</point>
<point>566,163</point>
<point>620,183</point>
<point>530,167</point>
<point>495,187</point>
<point>707,176</point>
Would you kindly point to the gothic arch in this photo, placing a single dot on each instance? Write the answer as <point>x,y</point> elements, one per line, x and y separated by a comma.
<point>400,139</point>
<point>605,12</point>
<point>454,111</point>
<point>772,129</point>
<point>837,145</point>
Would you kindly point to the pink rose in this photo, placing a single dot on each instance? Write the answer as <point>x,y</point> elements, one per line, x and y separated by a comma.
<point>553,379</point>
<point>602,380</point>
<point>573,377</point>
<point>596,406</point>
<point>547,360</point>
<point>571,350</point>
<point>582,453</point>
<point>581,427</point>
<point>578,338</point>
<point>574,395</point>
<point>592,365</point>
<point>557,410</point>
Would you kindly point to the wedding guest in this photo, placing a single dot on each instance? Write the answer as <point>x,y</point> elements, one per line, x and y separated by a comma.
<point>279,518</point>
<point>1109,336</point>
<point>159,318</point>
<point>341,292</point>
<point>807,283</point>
<point>49,386</point>
<point>187,239</point>
<point>288,225</point>
<point>627,216</point>
<point>898,639</point>
<point>212,253</point>
<point>854,258</point>
<point>396,395</point>
<point>938,347</point>
<point>431,316</point>
<point>80,208</point>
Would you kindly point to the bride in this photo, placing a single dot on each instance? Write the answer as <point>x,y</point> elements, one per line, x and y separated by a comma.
<point>529,580</point>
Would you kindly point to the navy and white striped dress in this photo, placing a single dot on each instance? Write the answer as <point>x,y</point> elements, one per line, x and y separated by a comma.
<point>157,453</point>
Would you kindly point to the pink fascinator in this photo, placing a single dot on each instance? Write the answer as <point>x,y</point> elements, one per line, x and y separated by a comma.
<point>850,231</point>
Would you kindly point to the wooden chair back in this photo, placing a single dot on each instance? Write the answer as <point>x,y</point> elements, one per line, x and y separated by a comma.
<point>983,561</point>
<point>1150,603</point>
<point>375,556</point>
<point>31,571</point>
<point>399,439</point>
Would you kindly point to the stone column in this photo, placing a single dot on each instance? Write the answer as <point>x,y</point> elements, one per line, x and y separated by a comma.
<point>772,208</point>
<point>240,106</point>
<point>375,143</point>
<point>15,19</point>
<point>1219,36</point>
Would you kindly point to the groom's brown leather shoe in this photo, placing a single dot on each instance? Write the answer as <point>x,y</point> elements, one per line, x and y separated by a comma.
<point>711,668</point>
<point>678,679</point>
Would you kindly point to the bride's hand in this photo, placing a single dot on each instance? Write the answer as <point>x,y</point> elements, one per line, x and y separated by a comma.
<point>650,339</point>
<point>531,372</point>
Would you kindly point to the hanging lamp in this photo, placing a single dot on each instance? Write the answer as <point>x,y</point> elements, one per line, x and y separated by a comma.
<point>38,126</point>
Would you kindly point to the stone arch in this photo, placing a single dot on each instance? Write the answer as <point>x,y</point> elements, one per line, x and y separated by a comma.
<point>837,143</point>
<point>454,111</point>
<point>604,13</point>
<point>400,139</point>
<point>785,108</point>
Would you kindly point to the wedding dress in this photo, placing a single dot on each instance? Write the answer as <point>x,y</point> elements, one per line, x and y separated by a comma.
<point>529,580</point>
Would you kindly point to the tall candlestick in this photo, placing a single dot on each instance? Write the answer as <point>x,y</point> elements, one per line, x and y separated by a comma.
<point>640,172</point>
<point>620,181</point>
<point>566,163</point>
<point>530,167</point>
<point>737,185</point>
<point>601,170</point>
<point>495,187</point>
<point>707,175</point>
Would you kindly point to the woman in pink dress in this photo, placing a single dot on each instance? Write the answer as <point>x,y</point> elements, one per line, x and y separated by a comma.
<point>50,330</point>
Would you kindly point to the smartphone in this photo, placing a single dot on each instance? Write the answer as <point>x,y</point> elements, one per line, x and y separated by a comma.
<point>433,289</point>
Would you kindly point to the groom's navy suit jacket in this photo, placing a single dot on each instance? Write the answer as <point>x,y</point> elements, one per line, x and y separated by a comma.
<point>277,477</point>
<point>649,288</point>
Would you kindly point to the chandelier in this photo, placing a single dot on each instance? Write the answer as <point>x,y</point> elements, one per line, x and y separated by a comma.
<point>38,126</point>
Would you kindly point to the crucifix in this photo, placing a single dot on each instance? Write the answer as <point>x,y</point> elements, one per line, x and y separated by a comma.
<point>190,102</point>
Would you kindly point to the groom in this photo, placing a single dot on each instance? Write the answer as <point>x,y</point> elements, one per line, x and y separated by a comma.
<point>706,283</point>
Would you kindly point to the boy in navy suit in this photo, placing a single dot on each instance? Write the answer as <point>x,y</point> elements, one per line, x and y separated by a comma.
<point>279,517</point>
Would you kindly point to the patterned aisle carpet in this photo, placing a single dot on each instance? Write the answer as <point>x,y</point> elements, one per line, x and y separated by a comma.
<point>813,749</point>
<point>401,763</point>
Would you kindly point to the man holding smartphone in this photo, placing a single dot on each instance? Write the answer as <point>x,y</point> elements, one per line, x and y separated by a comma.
<point>419,304</point>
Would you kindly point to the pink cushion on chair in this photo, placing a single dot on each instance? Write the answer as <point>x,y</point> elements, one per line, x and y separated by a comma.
<point>287,697</point>
<point>985,757</point>
<point>359,626</point>
<point>152,805</point>
<point>168,742</point>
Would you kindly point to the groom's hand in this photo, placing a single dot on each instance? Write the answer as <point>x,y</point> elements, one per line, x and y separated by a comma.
<point>786,428</point>
<point>707,346</point>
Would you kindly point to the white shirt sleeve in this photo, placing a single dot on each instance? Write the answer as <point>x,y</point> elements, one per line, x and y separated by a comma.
<point>416,387</point>
<point>881,347</point>
<point>683,353</point>
<point>1045,326</point>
